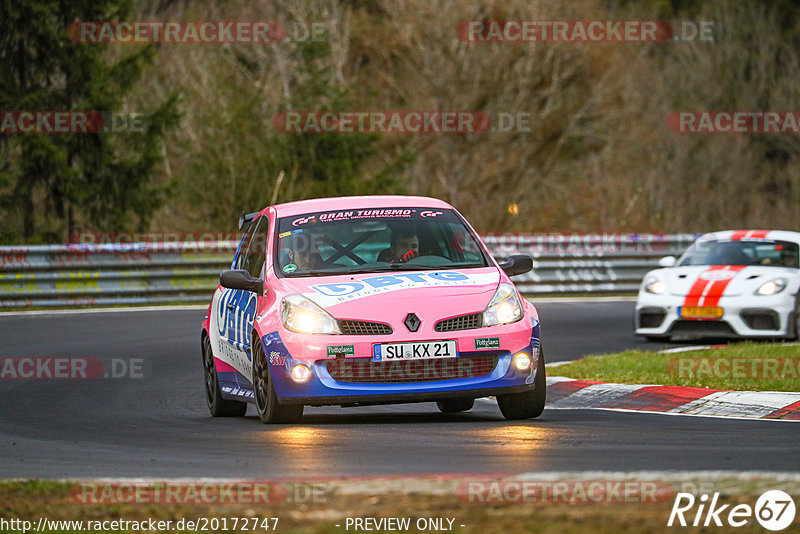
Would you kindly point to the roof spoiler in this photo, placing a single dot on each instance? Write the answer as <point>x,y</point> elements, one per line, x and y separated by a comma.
<point>245,218</point>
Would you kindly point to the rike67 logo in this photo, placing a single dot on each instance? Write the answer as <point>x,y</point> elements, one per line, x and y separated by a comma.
<point>774,510</point>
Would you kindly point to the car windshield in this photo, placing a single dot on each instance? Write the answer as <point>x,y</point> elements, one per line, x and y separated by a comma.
<point>744,252</point>
<point>375,240</point>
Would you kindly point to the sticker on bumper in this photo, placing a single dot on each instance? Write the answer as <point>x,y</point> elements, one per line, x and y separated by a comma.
<point>483,343</point>
<point>346,350</point>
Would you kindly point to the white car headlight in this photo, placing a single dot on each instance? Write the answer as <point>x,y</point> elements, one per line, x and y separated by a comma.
<point>504,307</point>
<point>773,287</point>
<point>302,315</point>
<point>654,285</point>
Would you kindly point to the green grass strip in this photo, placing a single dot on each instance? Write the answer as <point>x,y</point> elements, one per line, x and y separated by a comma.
<point>742,367</point>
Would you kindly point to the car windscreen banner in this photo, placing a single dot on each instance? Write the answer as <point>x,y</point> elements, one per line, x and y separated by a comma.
<point>367,214</point>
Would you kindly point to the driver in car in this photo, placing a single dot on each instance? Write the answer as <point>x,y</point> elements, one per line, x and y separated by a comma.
<point>302,255</point>
<point>404,246</point>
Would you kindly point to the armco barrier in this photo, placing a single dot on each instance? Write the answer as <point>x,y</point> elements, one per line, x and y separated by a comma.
<point>150,273</point>
<point>99,275</point>
<point>586,263</point>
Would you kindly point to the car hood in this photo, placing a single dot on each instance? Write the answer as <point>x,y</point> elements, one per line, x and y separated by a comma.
<point>385,297</point>
<point>731,280</point>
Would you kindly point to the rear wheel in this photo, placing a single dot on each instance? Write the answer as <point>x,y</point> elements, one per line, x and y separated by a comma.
<point>217,405</point>
<point>528,404</point>
<point>455,405</point>
<point>269,410</point>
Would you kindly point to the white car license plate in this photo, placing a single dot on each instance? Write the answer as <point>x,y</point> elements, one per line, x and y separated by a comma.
<point>701,312</point>
<point>421,350</point>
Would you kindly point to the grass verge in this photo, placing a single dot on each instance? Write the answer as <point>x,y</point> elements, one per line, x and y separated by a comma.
<point>743,367</point>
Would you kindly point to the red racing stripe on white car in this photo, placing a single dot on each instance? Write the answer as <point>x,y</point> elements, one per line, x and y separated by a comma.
<point>709,287</point>
<point>700,287</point>
<point>717,288</point>
<point>744,234</point>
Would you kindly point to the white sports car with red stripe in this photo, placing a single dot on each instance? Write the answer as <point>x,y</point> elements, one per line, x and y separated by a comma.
<point>741,283</point>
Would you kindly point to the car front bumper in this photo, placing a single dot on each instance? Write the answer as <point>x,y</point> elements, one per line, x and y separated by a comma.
<point>751,317</point>
<point>352,379</point>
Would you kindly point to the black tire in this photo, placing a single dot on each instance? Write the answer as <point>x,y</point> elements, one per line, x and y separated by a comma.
<point>217,405</point>
<point>657,339</point>
<point>794,326</point>
<point>269,409</point>
<point>455,405</point>
<point>528,404</point>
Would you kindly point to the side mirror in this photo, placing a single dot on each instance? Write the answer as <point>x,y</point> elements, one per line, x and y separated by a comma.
<point>667,261</point>
<point>517,264</point>
<point>241,279</point>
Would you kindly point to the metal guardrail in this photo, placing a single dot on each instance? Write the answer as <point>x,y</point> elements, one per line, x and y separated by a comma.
<point>587,263</point>
<point>76,275</point>
<point>100,275</point>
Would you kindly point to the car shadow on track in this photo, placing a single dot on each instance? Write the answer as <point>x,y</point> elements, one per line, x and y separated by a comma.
<point>383,415</point>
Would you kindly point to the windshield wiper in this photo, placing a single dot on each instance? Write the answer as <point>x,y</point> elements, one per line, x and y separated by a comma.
<point>393,267</point>
<point>316,272</point>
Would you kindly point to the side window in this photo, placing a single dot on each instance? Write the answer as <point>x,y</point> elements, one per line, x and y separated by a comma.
<point>243,244</point>
<point>257,248</point>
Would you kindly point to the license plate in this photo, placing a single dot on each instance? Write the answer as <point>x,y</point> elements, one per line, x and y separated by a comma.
<point>421,350</point>
<point>700,312</point>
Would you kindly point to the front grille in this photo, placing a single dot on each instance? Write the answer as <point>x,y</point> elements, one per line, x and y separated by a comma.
<point>761,319</point>
<point>651,317</point>
<point>364,328</point>
<point>462,322</point>
<point>364,370</point>
<point>702,328</point>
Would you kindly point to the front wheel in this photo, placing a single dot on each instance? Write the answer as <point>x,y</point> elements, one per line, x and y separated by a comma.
<point>217,405</point>
<point>794,325</point>
<point>269,409</point>
<point>528,404</point>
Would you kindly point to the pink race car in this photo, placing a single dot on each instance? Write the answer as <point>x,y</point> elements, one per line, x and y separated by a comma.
<point>369,300</point>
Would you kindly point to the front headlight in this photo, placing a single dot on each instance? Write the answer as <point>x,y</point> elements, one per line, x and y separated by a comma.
<point>504,307</point>
<point>654,285</point>
<point>302,315</point>
<point>773,287</point>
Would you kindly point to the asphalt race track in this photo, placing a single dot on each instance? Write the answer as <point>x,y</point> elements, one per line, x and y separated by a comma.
<point>158,426</point>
